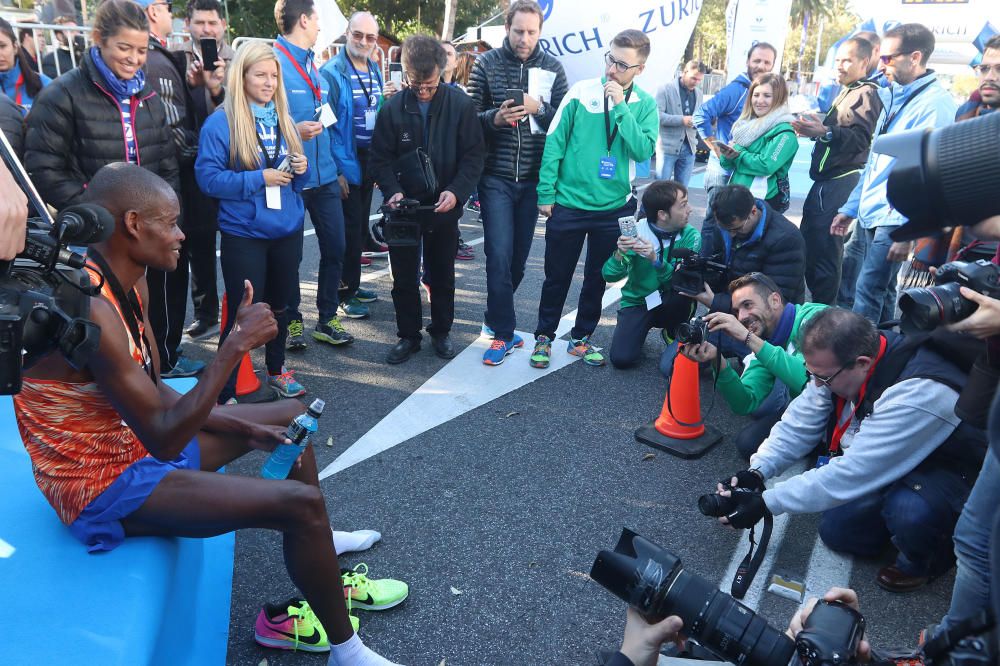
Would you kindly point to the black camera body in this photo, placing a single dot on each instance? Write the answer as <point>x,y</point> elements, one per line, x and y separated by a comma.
<point>400,223</point>
<point>926,308</point>
<point>692,332</point>
<point>715,505</point>
<point>831,635</point>
<point>694,271</point>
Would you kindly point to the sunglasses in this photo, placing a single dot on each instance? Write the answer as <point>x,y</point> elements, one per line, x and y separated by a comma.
<point>889,57</point>
<point>359,36</point>
<point>826,381</point>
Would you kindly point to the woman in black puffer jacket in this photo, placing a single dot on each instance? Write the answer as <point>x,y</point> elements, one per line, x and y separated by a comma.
<point>101,112</point>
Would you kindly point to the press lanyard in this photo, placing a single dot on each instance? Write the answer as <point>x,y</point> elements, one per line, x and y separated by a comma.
<point>841,428</point>
<point>268,160</point>
<point>308,79</point>
<point>889,119</point>
<point>607,119</point>
<point>371,79</point>
<point>17,89</point>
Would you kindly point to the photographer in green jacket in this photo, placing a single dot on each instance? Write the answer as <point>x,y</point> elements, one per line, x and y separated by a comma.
<point>769,326</point>
<point>646,260</point>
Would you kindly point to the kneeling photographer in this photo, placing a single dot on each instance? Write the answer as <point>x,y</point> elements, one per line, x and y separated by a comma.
<point>753,237</point>
<point>897,463</point>
<point>427,145</point>
<point>769,326</point>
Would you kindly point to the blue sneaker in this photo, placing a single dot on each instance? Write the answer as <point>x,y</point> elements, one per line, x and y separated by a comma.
<point>500,350</point>
<point>353,308</point>
<point>184,367</point>
<point>366,295</point>
<point>487,331</point>
<point>285,384</point>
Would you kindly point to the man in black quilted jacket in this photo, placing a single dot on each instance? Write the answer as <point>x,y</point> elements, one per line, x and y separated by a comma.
<point>515,137</point>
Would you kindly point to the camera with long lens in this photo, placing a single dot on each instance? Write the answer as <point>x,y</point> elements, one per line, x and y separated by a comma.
<point>654,582</point>
<point>400,225</point>
<point>715,505</point>
<point>692,332</point>
<point>926,308</point>
<point>694,271</point>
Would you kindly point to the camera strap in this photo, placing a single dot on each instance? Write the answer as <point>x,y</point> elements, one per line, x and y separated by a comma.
<point>747,569</point>
<point>130,309</point>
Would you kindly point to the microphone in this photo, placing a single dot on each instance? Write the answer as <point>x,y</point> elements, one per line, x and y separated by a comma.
<point>83,224</point>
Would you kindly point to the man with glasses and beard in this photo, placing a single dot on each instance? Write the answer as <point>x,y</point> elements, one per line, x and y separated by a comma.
<point>896,465</point>
<point>437,122</point>
<point>601,129</point>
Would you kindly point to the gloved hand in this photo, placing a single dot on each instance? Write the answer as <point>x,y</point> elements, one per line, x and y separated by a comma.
<point>750,508</point>
<point>747,479</point>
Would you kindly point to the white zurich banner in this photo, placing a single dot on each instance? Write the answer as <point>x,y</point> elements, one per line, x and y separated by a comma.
<point>749,22</point>
<point>579,33</point>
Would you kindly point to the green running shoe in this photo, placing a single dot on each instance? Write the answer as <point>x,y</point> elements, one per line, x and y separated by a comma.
<point>362,592</point>
<point>332,333</point>
<point>296,340</point>
<point>584,349</point>
<point>543,349</point>
<point>292,625</point>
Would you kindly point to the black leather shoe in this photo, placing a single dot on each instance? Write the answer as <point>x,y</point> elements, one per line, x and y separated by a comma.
<point>200,328</point>
<point>443,346</point>
<point>402,352</point>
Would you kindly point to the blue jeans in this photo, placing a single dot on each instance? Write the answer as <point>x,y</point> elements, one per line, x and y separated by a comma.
<point>326,211</point>
<point>676,167</point>
<point>919,523</point>
<point>971,593</point>
<point>875,294</point>
<point>510,212</point>
<point>854,254</point>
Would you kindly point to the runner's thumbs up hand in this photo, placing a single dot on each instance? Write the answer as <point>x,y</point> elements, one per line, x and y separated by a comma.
<point>255,323</point>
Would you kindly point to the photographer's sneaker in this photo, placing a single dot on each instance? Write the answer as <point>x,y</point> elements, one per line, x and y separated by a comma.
<point>292,625</point>
<point>585,350</point>
<point>500,350</point>
<point>366,295</point>
<point>362,592</point>
<point>543,350</point>
<point>353,308</point>
<point>332,333</point>
<point>184,367</point>
<point>285,384</point>
<point>296,338</point>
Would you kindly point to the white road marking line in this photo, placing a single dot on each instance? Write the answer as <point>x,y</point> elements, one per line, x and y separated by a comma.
<point>826,569</point>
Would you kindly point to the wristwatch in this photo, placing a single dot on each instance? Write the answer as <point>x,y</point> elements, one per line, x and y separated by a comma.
<point>828,137</point>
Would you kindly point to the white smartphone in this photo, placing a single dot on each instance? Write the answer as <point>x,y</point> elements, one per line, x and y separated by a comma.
<point>627,226</point>
<point>285,164</point>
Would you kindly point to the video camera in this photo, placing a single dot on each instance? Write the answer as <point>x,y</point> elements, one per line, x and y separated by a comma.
<point>654,582</point>
<point>694,271</point>
<point>400,226</point>
<point>44,292</point>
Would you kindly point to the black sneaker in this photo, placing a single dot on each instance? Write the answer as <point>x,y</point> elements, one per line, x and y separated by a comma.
<point>332,333</point>
<point>296,340</point>
<point>200,328</point>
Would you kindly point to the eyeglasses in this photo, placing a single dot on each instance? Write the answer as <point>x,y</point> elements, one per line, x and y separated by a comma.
<point>169,5</point>
<point>983,70</point>
<point>619,65</point>
<point>359,36</point>
<point>423,87</point>
<point>826,381</point>
<point>887,58</point>
<point>734,227</point>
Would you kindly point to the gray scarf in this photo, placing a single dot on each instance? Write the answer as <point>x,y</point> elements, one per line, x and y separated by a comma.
<point>747,130</point>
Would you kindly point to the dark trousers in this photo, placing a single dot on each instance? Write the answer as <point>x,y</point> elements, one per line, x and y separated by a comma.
<point>762,420</point>
<point>200,230</point>
<point>917,514</point>
<point>438,240</point>
<point>327,215</point>
<point>708,227</point>
<point>509,211</point>
<point>265,262</point>
<point>824,251</point>
<point>357,209</point>
<point>565,232</point>
<point>635,322</point>
<point>167,307</point>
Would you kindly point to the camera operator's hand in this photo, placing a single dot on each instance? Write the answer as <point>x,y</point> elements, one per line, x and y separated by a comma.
<point>705,297</point>
<point>849,597</point>
<point>644,249</point>
<point>255,323</point>
<point>899,251</point>
<point>750,508</point>
<point>984,322</point>
<point>446,202</point>
<point>13,215</point>
<point>273,177</point>
<point>545,210</point>
<point>728,324</point>
<point>508,114</point>
<point>748,479</point>
<point>625,244</point>
<point>702,353</point>
<point>840,225</point>
<point>398,196</point>
<point>642,640</point>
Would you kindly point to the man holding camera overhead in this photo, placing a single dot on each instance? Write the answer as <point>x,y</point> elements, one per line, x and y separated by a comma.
<point>897,463</point>
<point>428,145</point>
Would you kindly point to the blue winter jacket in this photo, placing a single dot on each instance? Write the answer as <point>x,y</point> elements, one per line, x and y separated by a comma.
<point>243,210</point>
<point>723,109</point>
<point>302,105</point>
<point>18,93</point>
<point>337,74</point>
<point>930,107</point>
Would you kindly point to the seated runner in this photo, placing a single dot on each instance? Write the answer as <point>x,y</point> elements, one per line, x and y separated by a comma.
<point>118,454</point>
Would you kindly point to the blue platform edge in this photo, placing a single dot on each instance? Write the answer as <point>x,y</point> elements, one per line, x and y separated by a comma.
<point>152,600</point>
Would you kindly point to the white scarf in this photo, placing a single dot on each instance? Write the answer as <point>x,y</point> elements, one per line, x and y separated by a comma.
<point>747,130</point>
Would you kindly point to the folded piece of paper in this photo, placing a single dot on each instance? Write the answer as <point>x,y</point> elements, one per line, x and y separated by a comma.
<point>540,83</point>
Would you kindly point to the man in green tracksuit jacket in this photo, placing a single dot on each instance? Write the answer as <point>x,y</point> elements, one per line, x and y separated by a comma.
<point>647,261</point>
<point>769,326</point>
<point>602,128</point>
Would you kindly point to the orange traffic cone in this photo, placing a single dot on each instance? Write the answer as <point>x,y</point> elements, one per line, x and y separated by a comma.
<point>678,429</point>
<point>247,381</point>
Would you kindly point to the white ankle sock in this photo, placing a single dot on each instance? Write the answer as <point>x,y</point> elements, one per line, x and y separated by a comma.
<point>354,653</point>
<point>353,542</point>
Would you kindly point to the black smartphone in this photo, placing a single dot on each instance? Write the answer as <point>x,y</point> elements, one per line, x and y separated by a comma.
<point>209,54</point>
<point>516,96</point>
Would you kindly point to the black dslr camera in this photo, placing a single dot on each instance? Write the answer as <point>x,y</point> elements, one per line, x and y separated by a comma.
<point>400,226</point>
<point>926,308</point>
<point>694,271</point>
<point>692,332</point>
<point>654,582</point>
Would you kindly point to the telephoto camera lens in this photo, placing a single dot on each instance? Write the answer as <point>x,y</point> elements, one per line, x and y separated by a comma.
<point>926,308</point>
<point>653,581</point>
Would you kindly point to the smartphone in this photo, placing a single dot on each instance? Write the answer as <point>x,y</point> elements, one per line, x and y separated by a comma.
<point>209,54</point>
<point>396,73</point>
<point>517,96</point>
<point>285,164</point>
<point>725,148</point>
<point>627,226</point>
